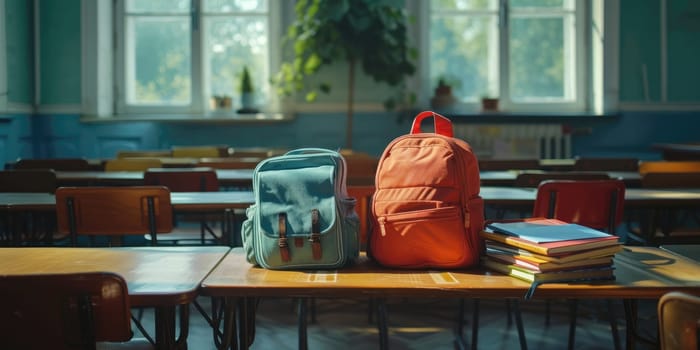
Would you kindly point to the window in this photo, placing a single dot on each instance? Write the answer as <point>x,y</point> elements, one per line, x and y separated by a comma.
<point>175,56</point>
<point>529,53</point>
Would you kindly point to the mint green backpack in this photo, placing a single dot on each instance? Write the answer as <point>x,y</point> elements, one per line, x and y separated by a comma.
<point>302,217</point>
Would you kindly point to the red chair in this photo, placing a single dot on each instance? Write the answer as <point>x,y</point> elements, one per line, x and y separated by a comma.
<point>597,204</point>
<point>594,203</point>
<point>66,311</point>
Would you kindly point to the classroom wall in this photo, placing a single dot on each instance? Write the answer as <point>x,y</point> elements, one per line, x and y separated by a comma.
<point>631,133</point>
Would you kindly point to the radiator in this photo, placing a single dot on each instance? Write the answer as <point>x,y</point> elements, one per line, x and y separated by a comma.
<point>516,141</point>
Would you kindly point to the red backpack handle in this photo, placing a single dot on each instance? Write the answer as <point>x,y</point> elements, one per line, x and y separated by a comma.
<point>443,126</point>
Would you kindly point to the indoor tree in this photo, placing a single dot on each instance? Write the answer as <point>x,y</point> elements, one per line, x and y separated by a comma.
<point>370,34</point>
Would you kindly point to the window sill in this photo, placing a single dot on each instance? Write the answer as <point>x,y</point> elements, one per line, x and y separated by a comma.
<point>522,117</point>
<point>213,118</point>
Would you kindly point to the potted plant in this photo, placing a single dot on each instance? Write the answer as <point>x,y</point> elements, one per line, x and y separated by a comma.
<point>220,102</point>
<point>489,103</point>
<point>443,94</point>
<point>247,93</point>
<point>369,34</point>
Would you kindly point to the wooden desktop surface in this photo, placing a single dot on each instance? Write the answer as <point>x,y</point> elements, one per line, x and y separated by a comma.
<point>641,272</point>
<point>154,275</point>
<point>689,251</point>
<point>160,277</point>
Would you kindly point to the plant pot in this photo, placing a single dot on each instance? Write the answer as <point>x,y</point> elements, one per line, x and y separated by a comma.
<point>247,103</point>
<point>219,103</point>
<point>489,104</point>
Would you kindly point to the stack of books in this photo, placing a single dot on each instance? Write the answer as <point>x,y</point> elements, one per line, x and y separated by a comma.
<point>540,250</point>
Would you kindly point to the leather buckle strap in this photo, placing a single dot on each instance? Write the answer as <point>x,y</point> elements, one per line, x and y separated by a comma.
<point>282,241</point>
<point>315,237</point>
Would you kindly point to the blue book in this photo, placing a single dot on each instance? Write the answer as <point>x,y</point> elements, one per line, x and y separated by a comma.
<point>541,230</point>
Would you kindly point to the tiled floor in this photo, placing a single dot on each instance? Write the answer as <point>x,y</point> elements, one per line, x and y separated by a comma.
<point>424,324</point>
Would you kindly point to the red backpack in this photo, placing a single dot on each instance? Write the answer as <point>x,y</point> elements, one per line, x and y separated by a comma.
<point>426,209</point>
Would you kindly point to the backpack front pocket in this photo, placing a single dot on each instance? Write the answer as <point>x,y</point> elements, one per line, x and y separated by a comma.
<point>433,237</point>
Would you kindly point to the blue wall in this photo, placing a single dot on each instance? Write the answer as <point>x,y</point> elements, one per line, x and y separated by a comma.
<point>630,134</point>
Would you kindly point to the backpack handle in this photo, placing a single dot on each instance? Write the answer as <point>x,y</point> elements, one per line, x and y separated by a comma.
<point>443,126</point>
<point>311,150</point>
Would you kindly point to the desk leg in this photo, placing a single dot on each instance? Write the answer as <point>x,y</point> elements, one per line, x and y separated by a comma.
<point>303,344</point>
<point>228,339</point>
<point>165,321</point>
<point>382,325</point>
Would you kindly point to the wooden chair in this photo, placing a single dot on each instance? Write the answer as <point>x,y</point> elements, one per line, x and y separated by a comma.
<point>533,179</point>
<point>144,154</point>
<point>200,151</point>
<point>679,321</point>
<point>230,162</point>
<point>669,166</point>
<point>186,180</point>
<point>132,164</point>
<point>671,180</point>
<point>66,311</point>
<point>508,164</point>
<point>58,164</point>
<point>606,164</point>
<point>671,225</point>
<point>20,228</point>
<point>255,152</point>
<point>113,212</point>
<point>28,180</point>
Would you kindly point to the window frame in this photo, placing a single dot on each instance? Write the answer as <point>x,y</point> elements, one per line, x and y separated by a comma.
<point>581,99</point>
<point>199,99</point>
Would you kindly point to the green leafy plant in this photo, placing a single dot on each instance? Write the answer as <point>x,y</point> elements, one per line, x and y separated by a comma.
<point>246,85</point>
<point>370,34</point>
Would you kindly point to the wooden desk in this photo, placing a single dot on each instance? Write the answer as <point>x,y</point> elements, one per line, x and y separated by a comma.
<point>160,277</point>
<point>678,151</point>
<point>689,251</point>
<point>183,202</point>
<point>641,273</point>
<point>507,177</point>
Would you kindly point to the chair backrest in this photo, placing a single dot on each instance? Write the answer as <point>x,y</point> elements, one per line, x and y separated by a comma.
<point>509,164</point>
<point>183,179</point>
<point>58,164</point>
<point>200,151</point>
<point>230,162</point>
<point>533,179</point>
<point>30,180</point>
<point>63,311</point>
<point>113,211</point>
<point>669,166</point>
<point>361,169</point>
<point>132,164</point>
<point>144,154</point>
<point>671,180</point>
<point>594,203</point>
<point>679,321</point>
<point>606,164</point>
<point>257,152</point>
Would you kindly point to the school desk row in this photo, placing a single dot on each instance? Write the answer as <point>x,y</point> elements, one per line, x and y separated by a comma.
<point>645,203</point>
<point>170,278</point>
<point>515,197</point>
<point>242,178</point>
